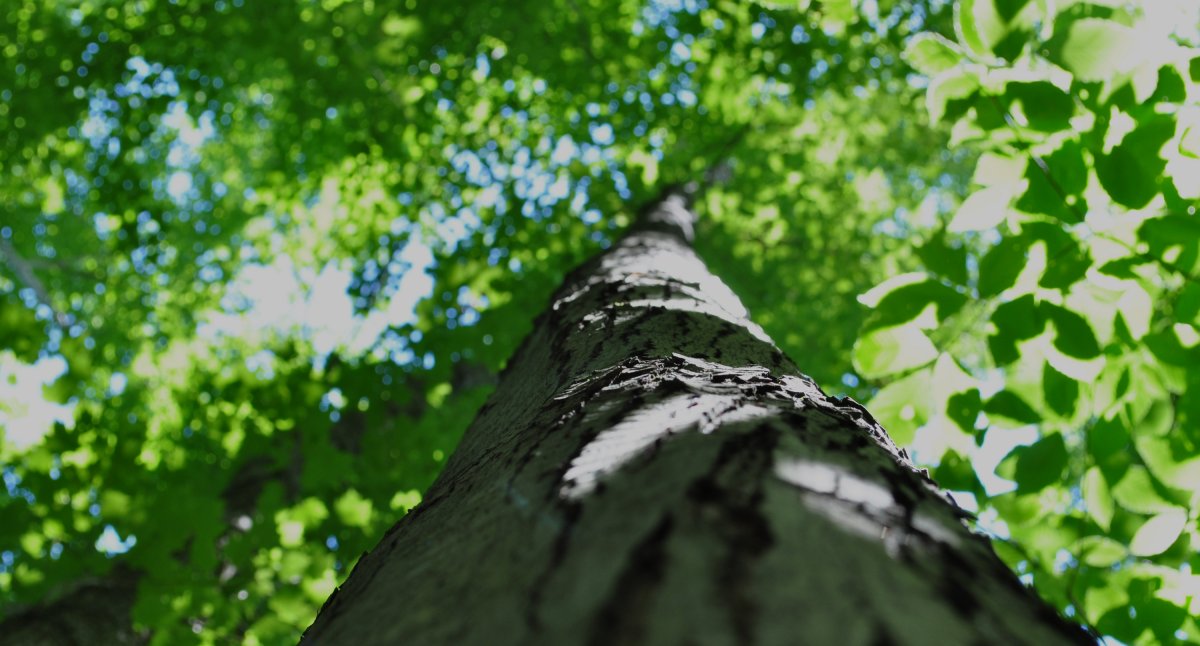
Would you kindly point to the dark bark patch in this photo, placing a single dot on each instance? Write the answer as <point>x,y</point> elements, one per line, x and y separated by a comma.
<point>558,554</point>
<point>956,582</point>
<point>729,500</point>
<point>883,636</point>
<point>624,617</point>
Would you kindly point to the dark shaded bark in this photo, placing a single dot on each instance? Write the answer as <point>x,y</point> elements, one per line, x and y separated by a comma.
<point>652,469</point>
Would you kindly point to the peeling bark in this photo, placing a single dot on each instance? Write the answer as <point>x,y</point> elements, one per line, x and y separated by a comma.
<point>652,469</point>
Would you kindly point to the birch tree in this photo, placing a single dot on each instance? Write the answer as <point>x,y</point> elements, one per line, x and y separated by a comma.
<point>653,469</point>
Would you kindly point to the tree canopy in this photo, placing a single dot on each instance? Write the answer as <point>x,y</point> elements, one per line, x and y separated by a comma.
<point>260,262</point>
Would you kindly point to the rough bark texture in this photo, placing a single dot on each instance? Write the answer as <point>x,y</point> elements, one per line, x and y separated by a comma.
<point>652,469</point>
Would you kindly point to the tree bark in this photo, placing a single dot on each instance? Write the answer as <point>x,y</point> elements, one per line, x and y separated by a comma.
<point>651,469</point>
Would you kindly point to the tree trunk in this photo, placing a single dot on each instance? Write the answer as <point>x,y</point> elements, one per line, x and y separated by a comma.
<point>652,469</point>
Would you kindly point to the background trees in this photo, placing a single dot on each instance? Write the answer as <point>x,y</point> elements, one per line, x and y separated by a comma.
<point>268,258</point>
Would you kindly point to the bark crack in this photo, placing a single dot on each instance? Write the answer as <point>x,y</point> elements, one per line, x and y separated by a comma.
<point>728,499</point>
<point>624,617</point>
<point>558,554</point>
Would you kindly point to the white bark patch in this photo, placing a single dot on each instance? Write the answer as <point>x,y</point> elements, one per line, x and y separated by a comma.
<point>829,479</point>
<point>935,528</point>
<point>842,497</point>
<point>858,505</point>
<point>814,476</point>
<point>656,277</point>
<point>640,431</point>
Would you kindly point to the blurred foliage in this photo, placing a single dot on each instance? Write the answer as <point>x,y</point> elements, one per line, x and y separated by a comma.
<point>1063,327</point>
<point>267,259</point>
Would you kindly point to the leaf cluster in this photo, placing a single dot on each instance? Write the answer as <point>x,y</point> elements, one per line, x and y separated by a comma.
<point>1051,330</point>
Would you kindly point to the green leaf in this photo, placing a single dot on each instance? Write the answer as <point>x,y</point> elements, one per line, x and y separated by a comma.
<point>1068,261</point>
<point>1131,173</point>
<point>1097,49</point>
<point>890,350</point>
<point>23,334</point>
<point>1101,551</point>
<point>1020,318</point>
<point>1138,493</point>
<point>1167,348</point>
<point>1044,106</point>
<point>872,297</point>
<point>1121,174</point>
<point>1189,143</point>
<point>903,405</point>
<point>932,54</point>
<point>1038,465</point>
<point>1187,306</point>
<point>1106,438</point>
<point>994,169</point>
<point>1060,391</point>
<point>1016,320</point>
<point>1008,9</point>
<point>999,268</point>
<point>1014,507</point>
<point>1122,267</point>
<point>838,13</point>
<point>944,260</point>
<point>1068,268</point>
<point>954,472</point>
<point>1098,497</point>
<point>1171,87</point>
<point>1164,618</point>
<point>964,408</point>
<point>978,26</point>
<point>1158,533</point>
<point>983,209</point>
<point>1055,184</point>
<point>353,509</point>
<point>1074,337</point>
<point>1159,417</point>
<point>1008,404</point>
<point>1171,459</point>
<point>954,84</point>
<point>1162,233</point>
<point>904,303</point>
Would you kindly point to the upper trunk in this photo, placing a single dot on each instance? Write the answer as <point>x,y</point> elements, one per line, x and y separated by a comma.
<point>652,469</point>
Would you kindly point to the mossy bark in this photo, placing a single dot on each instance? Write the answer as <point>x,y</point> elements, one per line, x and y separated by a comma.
<point>651,469</point>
